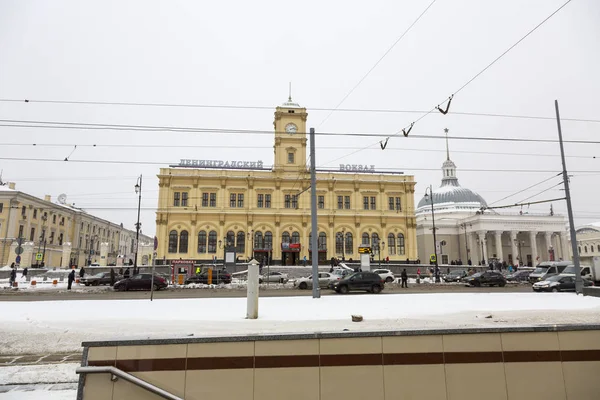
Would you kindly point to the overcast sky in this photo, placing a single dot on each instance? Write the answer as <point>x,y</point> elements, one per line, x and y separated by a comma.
<point>244,54</point>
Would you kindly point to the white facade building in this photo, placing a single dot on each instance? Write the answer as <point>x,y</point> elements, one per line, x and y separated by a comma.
<point>467,231</point>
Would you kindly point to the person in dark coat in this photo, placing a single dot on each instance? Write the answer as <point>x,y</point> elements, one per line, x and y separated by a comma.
<point>126,274</point>
<point>81,272</point>
<point>71,279</point>
<point>112,277</point>
<point>404,277</point>
<point>13,275</point>
<point>24,272</point>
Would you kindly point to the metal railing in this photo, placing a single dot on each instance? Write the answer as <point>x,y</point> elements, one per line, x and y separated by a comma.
<point>117,373</point>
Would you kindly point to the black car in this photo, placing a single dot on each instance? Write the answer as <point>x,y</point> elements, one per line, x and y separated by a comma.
<point>141,282</point>
<point>368,281</point>
<point>490,278</point>
<point>218,276</point>
<point>455,276</point>
<point>559,283</point>
<point>519,276</point>
<point>102,278</point>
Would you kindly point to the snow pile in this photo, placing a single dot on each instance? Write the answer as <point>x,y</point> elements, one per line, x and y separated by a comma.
<point>61,326</point>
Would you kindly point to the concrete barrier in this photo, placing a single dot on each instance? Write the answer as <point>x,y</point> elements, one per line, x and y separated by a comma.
<point>536,362</point>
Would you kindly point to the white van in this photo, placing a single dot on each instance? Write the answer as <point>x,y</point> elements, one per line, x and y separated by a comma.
<point>548,268</point>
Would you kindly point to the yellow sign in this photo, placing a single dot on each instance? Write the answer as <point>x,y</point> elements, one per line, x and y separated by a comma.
<point>432,258</point>
<point>38,256</point>
<point>364,250</point>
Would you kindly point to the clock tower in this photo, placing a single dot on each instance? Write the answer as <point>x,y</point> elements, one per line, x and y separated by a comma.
<point>290,137</point>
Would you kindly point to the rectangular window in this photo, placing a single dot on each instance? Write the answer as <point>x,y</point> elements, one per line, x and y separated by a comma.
<point>290,158</point>
<point>32,234</point>
<point>391,203</point>
<point>176,197</point>
<point>373,203</point>
<point>366,202</point>
<point>51,237</point>
<point>241,200</point>
<point>184,199</point>
<point>23,210</point>
<point>260,200</point>
<point>398,204</point>
<point>21,227</point>
<point>267,201</point>
<point>321,202</point>
<point>34,213</point>
<point>213,199</point>
<point>232,198</point>
<point>204,199</point>
<point>294,201</point>
<point>340,202</point>
<point>287,201</point>
<point>1,207</point>
<point>347,202</point>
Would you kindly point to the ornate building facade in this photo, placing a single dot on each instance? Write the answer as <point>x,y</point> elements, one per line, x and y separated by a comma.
<point>465,232</point>
<point>206,206</point>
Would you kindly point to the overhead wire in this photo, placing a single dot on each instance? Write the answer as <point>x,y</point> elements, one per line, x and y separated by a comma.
<point>376,63</point>
<point>527,188</point>
<point>449,99</point>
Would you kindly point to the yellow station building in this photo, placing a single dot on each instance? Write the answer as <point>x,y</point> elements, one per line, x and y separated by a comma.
<point>206,206</point>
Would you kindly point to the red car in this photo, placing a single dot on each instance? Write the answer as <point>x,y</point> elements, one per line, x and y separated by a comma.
<point>141,282</point>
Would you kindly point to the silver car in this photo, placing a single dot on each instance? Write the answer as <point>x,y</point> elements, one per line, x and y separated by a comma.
<point>307,282</point>
<point>274,277</point>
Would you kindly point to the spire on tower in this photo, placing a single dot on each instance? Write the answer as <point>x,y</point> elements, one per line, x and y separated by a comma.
<point>290,96</point>
<point>447,147</point>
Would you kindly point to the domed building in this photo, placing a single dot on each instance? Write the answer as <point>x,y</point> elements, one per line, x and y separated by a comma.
<point>467,230</point>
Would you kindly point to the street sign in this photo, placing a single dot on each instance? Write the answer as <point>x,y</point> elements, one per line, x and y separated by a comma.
<point>38,256</point>
<point>432,258</point>
<point>18,259</point>
<point>364,250</point>
<point>19,250</point>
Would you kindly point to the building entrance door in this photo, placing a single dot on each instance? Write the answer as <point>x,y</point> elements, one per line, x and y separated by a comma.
<point>290,258</point>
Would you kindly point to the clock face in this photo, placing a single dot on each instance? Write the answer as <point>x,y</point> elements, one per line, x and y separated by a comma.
<point>291,128</point>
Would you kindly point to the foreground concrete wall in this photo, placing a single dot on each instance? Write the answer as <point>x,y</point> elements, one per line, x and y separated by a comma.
<point>535,363</point>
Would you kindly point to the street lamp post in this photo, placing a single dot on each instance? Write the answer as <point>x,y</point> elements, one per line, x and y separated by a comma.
<point>380,246</point>
<point>251,237</point>
<point>427,196</point>
<point>138,191</point>
<point>42,238</point>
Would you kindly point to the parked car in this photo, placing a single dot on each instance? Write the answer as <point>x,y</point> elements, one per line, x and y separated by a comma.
<point>218,276</point>
<point>325,278</point>
<point>519,276</point>
<point>274,277</point>
<point>369,281</point>
<point>341,272</point>
<point>546,269</point>
<point>386,275</point>
<point>559,283</point>
<point>101,278</point>
<point>455,276</point>
<point>489,278</point>
<point>141,282</point>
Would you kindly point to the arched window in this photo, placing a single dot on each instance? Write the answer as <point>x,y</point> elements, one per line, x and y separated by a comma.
<point>258,240</point>
<point>285,237</point>
<point>173,242</point>
<point>202,242</point>
<point>322,243</point>
<point>401,248</point>
<point>579,249</point>
<point>240,247</point>
<point>230,239</point>
<point>391,244</point>
<point>295,237</point>
<point>183,242</point>
<point>591,248</point>
<point>349,246</point>
<point>374,239</point>
<point>339,243</point>
<point>585,249</point>
<point>212,242</point>
<point>365,239</point>
<point>268,240</point>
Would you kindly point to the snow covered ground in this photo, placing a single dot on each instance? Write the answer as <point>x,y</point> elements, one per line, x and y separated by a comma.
<point>61,326</point>
<point>39,382</point>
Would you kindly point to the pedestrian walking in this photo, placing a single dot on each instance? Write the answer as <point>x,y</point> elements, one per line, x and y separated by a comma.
<point>71,279</point>
<point>387,260</point>
<point>24,272</point>
<point>121,271</point>
<point>127,273</point>
<point>112,277</point>
<point>304,261</point>
<point>82,272</point>
<point>404,277</point>
<point>13,275</point>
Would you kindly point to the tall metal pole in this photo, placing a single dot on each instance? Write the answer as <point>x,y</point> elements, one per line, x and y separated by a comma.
<point>137,230</point>
<point>578,281</point>
<point>313,218</point>
<point>434,235</point>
